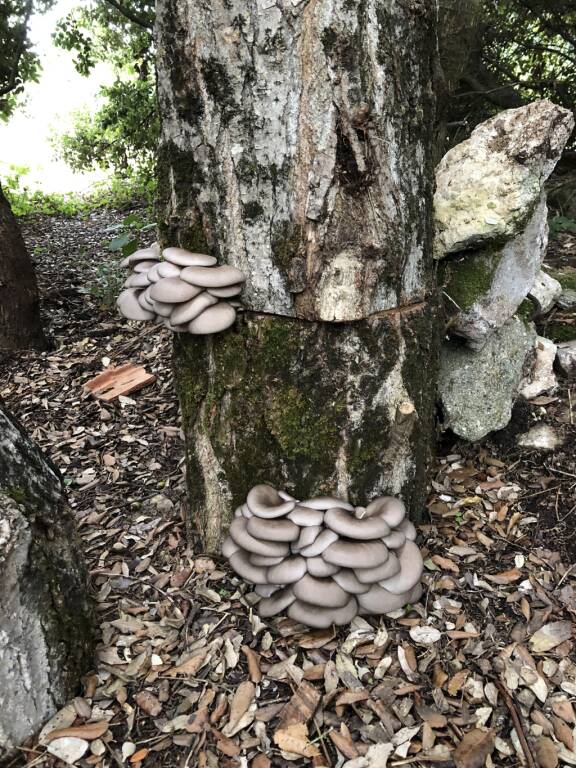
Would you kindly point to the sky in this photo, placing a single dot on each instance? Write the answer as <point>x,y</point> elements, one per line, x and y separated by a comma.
<point>49,104</point>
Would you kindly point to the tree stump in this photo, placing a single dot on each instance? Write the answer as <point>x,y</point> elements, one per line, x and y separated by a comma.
<point>45,631</point>
<point>297,144</point>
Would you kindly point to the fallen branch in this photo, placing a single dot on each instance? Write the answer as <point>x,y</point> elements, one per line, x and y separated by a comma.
<point>509,701</point>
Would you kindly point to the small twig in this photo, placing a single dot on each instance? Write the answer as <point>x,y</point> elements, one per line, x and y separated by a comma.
<point>508,700</point>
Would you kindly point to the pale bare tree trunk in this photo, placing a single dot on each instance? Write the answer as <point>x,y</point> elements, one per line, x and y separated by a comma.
<point>297,145</point>
<point>20,322</point>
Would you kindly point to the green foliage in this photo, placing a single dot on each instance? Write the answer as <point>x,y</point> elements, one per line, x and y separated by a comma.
<point>107,283</point>
<point>123,134</point>
<point>18,63</point>
<point>561,224</point>
<point>114,193</point>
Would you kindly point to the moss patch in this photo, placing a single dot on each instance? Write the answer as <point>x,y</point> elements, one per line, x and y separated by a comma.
<point>466,278</point>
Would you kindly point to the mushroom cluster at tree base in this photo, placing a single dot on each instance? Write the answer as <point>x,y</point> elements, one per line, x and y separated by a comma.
<point>185,291</point>
<point>323,561</point>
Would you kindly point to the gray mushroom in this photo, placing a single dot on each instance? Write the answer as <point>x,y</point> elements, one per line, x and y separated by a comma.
<point>326,502</point>
<point>144,266</point>
<point>356,554</point>
<point>229,547</point>
<point>320,568</point>
<point>162,309</point>
<point>322,618</point>
<point>407,528</point>
<point>239,532</point>
<point>290,570</point>
<point>379,600</point>
<point>411,567</point>
<point>305,516</point>
<point>307,537</point>
<point>172,290</point>
<point>348,581</point>
<point>129,306</point>
<point>184,313</point>
<point>273,530</point>
<point>323,592</point>
<point>383,571</point>
<point>224,293</point>
<point>394,540</point>
<point>143,254</point>
<point>137,280</point>
<point>265,561</point>
<point>214,319</point>
<point>277,603</point>
<point>323,541</point>
<point>389,508</point>
<point>345,524</point>
<point>240,562</point>
<point>184,258</point>
<point>265,590</point>
<point>264,501</point>
<point>213,277</point>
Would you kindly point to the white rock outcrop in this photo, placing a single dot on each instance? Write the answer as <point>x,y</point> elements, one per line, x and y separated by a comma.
<point>488,187</point>
<point>541,377</point>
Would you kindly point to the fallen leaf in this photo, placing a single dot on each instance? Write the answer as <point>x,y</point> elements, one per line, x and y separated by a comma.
<point>253,660</point>
<point>294,739</point>
<point>301,706</point>
<point>241,702</point>
<point>89,732</point>
<point>474,749</point>
<point>189,667</point>
<point>68,748</point>
<point>148,703</point>
<point>425,635</point>
<point>546,753</point>
<point>551,635</point>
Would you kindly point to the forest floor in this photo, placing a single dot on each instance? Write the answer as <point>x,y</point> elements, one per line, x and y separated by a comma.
<point>481,672</point>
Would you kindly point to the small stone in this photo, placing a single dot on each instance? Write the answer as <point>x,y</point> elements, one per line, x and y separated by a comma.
<point>162,503</point>
<point>566,358</point>
<point>542,437</point>
<point>567,299</point>
<point>541,377</point>
<point>545,291</point>
<point>68,748</point>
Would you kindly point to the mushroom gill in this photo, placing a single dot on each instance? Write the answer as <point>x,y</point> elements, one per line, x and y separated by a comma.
<point>323,561</point>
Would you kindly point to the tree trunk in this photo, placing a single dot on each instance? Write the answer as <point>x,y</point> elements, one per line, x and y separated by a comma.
<point>45,635</point>
<point>297,144</point>
<point>20,322</point>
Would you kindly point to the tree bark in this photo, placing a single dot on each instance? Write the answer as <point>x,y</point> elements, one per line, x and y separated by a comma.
<point>45,634</point>
<point>20,322</point>
<point>297,144</point>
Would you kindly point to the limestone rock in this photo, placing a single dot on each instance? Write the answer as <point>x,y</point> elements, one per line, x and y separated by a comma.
<point>488,187</point>
<point>541,377</point>
<point>567,299</point>
<point>478,388</point>
<point>545,292</point>
<point>488,286</point>
<point>543,437</point>
<point>566,357</point>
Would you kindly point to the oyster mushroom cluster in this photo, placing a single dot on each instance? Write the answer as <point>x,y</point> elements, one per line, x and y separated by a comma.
<point>323,561</point>
<point>185,291</point>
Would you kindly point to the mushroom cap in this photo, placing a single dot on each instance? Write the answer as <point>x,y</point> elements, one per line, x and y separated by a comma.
<point>277,603</point>
<point>144,266</point>
<point>273,530</point>
<point>213,277</point>
<point>408,528</point>
<point>288,571</point>
<point>241,564</point>
<point>163,309</point>
<point>317,566</point>
<point>356,554</point>
<point>394,540</point>
<point>323,592</point>
<point>229,290</point>
<point>145,301</point>
<point>324,540</point>
<point>383,571</point>
<point>348,581</point>
<point>153,274</point>
<point>322,618</point>
<point>264,501</point>
<point>245,509</point>
<point>306,537</point>
<point>184,258</point>
<point>213,320</point>
<point>172,290</point>
<point>129,306</point>
<point>345,524</point>
<point>144,254</point>
<point>167,269</point>
<point>389,508</point>
<point>137,280</point>
<point>379,600</point>
<point>286,496</point>
<point>326,502</point>
<point>238,531</point>
<point>305,517</point>
<point>265,590</point>
<point>229,546</point>
<point>411,567</point>
<point>187,311</point>
<point>265,561</point>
